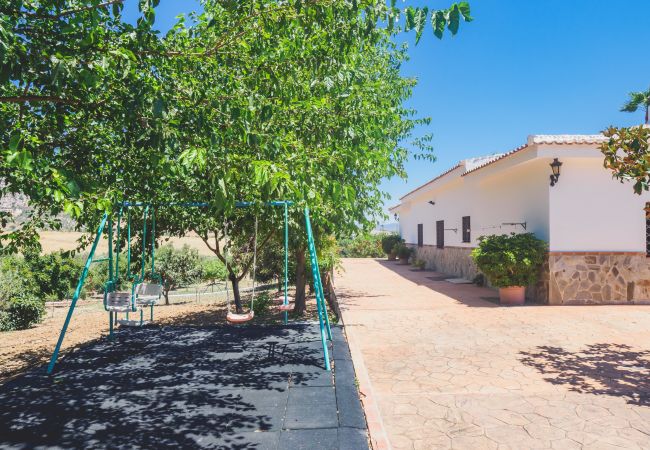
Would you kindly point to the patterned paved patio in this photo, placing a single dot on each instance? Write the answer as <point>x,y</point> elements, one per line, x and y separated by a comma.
<point>441,366</point>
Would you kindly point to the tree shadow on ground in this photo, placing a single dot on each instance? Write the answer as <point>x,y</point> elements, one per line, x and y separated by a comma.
<point>600,369</point>
<point>162,387</point>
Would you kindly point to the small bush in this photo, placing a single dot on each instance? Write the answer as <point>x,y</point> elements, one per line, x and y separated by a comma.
<point>362,246</point>
<point>262,303</point>
<point>418,263</point>
<point>403,252</point>
<point>510,260</point>
<point>55,275</point>
<point>388,242</point>
<point>21,312</point>
<point>213,270</point>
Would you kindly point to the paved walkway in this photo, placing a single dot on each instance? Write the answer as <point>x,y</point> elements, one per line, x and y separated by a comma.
<point>441,366</point>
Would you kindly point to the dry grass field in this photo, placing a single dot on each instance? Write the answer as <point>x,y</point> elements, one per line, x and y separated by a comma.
<point>52,241</point>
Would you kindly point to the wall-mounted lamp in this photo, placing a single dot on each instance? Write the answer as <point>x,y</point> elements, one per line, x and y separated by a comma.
<point>396,217</point>
<point>431,202</point>
<point>555,167</point>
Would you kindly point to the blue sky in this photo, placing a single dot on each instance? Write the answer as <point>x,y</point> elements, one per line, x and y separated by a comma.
<point>522,67</point>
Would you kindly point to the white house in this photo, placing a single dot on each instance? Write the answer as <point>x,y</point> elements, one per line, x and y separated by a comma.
<point>595,226</point>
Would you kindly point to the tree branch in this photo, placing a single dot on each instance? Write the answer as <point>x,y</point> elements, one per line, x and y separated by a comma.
<point>64,13</point>
<point>247,267</point>
<point>38,98</point>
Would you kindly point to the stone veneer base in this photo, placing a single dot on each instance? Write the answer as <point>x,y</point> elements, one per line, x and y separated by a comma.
<point>566,278</point>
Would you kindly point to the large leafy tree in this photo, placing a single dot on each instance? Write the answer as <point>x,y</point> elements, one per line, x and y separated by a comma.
<point>255,100</point>
<point>76,89</point>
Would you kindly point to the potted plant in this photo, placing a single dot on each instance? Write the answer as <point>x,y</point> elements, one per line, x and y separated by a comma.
<point>418,264</point>
<point>388,243</point>
<point>403,253</point>
<point>510,262</point>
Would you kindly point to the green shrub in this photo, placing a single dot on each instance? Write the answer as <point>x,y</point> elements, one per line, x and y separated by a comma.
<point>262,303</point>
<point>364,245</point>
<point>22,312</point>
<point>388,242</point>
<point>510,260</point>
<point>418,263</point>
<point>178,267</point>
<point>403,252</point>
<point>20,306</point>
<point>55,275</point>
<point>213,270</point>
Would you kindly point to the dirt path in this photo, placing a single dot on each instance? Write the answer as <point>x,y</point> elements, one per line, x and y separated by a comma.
<point>441,366</point>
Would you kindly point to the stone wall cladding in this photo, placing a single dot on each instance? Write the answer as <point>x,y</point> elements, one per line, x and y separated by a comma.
<point>454,261</point>
<point>598,278</point>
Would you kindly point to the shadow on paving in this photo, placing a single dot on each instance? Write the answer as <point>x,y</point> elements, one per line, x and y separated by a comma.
<point>469,294</point>
<point>211,387</point>
<point>600,369</point>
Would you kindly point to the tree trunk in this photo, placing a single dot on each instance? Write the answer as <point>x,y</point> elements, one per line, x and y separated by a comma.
<point>301,280</point>
<point>330,296</point>
<point>235,291</point>
<point>647,115</point>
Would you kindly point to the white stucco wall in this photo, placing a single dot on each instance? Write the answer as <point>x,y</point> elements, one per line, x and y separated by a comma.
<point>590,211</point>
<point>517,193</point>
<point>586,210</point>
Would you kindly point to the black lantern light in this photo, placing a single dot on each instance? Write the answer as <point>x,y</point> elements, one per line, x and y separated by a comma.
<point>396,217</point>
<point>555,167</point>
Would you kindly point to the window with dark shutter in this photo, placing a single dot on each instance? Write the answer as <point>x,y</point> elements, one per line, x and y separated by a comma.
<point>440,234</point>
<point>420,235</point>
<point>467,235</point>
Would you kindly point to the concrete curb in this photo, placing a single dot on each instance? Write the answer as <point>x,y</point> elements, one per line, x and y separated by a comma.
<point>376,430</point>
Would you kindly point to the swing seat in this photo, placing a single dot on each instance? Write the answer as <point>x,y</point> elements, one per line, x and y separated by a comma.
<point>118,301</point>
<point>133,323</point>
<point>147,294</point>
<point>240,318</point>
<point>288,306</point>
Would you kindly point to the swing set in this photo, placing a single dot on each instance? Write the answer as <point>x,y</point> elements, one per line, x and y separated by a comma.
<point>146,288</point>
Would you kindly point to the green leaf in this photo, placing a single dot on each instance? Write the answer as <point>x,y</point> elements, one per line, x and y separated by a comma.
<point>158,107</point>
<point>465,11</point>
<point>410,18</point>
<point>454,19</point>
<point>420,22</point>
<point>14,141</point>
<point>439,22</point>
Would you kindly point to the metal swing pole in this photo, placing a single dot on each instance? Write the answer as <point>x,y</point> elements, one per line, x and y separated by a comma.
<point>286,259</point>
<point>153,255</point>
<point>128,246</point>
<point>323,320</point>
<point>77,293</point>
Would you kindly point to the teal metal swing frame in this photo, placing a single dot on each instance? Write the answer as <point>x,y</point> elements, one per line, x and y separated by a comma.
<point>323,319</point>
<point>114,276</point>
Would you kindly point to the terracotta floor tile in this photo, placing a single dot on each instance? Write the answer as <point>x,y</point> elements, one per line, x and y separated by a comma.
<point>447,369</point>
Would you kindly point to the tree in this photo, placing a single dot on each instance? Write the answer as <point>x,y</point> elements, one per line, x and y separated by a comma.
<point>627,155</point>
<point>638,100</point>
<point>74,85</point>
<point>256,100</point>
<point>177,267</point>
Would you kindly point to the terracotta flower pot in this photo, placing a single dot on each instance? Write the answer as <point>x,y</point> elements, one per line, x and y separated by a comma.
<point>512,295</point>
<point>404,261</point>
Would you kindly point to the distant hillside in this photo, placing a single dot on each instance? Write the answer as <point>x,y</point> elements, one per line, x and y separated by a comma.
<point>17,206</point>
